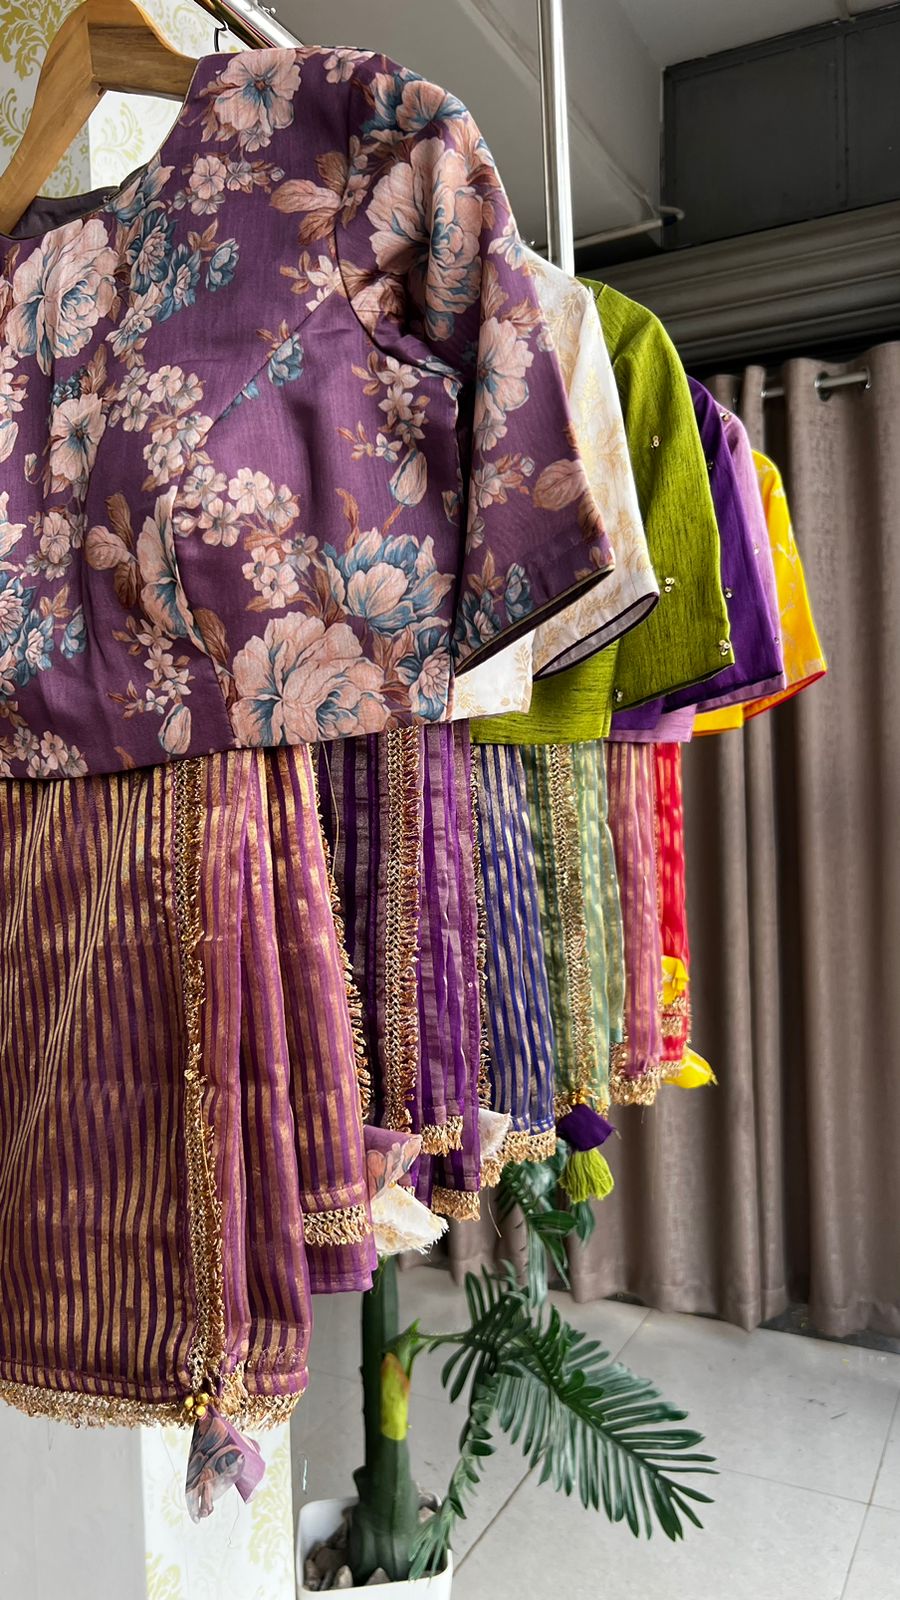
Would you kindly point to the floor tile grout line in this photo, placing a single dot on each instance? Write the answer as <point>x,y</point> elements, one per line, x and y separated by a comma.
<point>788,1483</point>
<point>854,1552</point>
<point>887,1440</point>
<point>623,1347</point>
<point>494,1519</point>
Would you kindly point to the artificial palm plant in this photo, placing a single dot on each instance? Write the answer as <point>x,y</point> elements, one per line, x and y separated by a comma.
<point>590,1426</point>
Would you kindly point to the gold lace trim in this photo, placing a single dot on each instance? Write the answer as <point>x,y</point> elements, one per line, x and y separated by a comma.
<point>460,1204</point>
<point>103,1411</point>
<point>518,1146</point>
<point>207,1351</point>
<point>570,902</point>
<point>564,1103</point>
<point>484,1058</point>
<point>438,1139</point>
<point>348,1225</point>
<point>354,998</point>
<point>401,931</point>
<point>636,1091</point>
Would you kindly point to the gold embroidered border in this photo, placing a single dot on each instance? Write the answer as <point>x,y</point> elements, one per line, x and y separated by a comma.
<point>484,1055</point>
<point>207,1350</point>
<point>347,1225</point>
<point>440,1139</point>
<point>519,1145</point>
<point>636,1091</point>
<point>570,899</point>
<point>88,1410</point>
<point>102,1411</point>
<point>354,998</point>
<point>401,928</point>
<point>460,1204</point>
<point>564,1103</point>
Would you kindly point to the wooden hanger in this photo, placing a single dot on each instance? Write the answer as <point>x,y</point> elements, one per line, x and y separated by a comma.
<point>104,44</point>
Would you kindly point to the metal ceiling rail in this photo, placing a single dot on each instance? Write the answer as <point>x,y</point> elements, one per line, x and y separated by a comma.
<point>255,24</point>
<point>555,126</point>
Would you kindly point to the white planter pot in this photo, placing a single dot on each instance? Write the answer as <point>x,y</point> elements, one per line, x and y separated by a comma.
<point>319,1520</point>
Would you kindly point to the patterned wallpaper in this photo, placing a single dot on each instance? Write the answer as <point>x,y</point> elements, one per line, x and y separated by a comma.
<point>125,130</point>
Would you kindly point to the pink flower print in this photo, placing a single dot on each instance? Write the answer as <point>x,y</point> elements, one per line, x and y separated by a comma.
<point>136,323</point>
<point>10,532</point>
<point>303,681</point>
<point>254,95</point>
<point>58,538</point>
<point>283,509</point>
<point>340,64</point>
<point>273,578</point>
<point>163,599</point>
<point>76,428</point>
<point>427,221</point>
<point>61,291</point>
<point>251,491</point>
<point>206,185</point>
<point>53,758</point>
<point>202,483</point>
<point>501,386</point>
<point>168,385</point>
<point>12,397</point>
<point>421,104</point>
<point>132,407</point>
<point>175,733</point>
<point>219,521</point>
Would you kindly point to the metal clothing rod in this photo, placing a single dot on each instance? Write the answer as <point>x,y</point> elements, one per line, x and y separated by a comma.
<point>824,383</point>
<point>555,123</point>
<point>254,24</point>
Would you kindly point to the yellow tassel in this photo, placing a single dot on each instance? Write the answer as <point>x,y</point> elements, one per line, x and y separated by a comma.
<point>587,1176</point>
<point>695,1073</point>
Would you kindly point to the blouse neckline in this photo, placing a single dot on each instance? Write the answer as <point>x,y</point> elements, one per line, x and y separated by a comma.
<point>112,197</point>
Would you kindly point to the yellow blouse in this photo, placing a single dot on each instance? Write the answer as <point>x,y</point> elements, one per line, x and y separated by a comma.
<point>804,659</point>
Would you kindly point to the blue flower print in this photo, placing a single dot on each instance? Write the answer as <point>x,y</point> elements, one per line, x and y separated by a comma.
<point>477,620</point>
<point>148,253</point>
<point>517,597</point>
<point>15,606</point>
<point>74,639</point>
<point>391,583</point>
<point>34,649</point>
<point>222,264</point>
<point>426,669</point>
<point>180,287</point>
<point>286,363</point>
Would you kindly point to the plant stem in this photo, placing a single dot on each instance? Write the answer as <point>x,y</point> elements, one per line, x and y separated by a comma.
<point>386,1519</point>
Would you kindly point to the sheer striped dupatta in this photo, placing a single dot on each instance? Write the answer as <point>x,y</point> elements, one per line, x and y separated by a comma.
<point>180,1126</point>
<point>398,811</point>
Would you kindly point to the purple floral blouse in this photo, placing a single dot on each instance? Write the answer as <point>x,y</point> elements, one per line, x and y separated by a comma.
<point>283,442</point>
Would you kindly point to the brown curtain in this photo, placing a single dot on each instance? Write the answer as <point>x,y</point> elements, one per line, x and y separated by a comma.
<point>783,1185</point>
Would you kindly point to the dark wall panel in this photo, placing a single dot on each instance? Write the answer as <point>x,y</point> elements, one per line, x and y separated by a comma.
<point>781,132</point>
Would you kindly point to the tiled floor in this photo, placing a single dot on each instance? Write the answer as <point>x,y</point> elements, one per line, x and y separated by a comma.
<point>806,1434</point>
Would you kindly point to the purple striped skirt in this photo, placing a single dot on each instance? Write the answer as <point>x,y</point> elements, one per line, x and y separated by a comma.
<point>181,1152</point>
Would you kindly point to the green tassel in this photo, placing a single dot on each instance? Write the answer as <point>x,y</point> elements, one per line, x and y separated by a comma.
<point>587,1176</point>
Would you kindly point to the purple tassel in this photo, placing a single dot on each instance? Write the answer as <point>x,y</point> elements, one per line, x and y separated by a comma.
<point>219,1458</point>
<point>584,1129</point>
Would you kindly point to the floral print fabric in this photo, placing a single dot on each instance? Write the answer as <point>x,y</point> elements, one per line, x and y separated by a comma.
<point>283,440</point>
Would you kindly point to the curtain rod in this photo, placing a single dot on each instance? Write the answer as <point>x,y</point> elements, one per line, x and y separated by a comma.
<point>824,383</point>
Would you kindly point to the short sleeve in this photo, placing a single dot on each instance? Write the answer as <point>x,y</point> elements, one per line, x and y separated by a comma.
<point>433,263</point>
<point>686,639</point>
